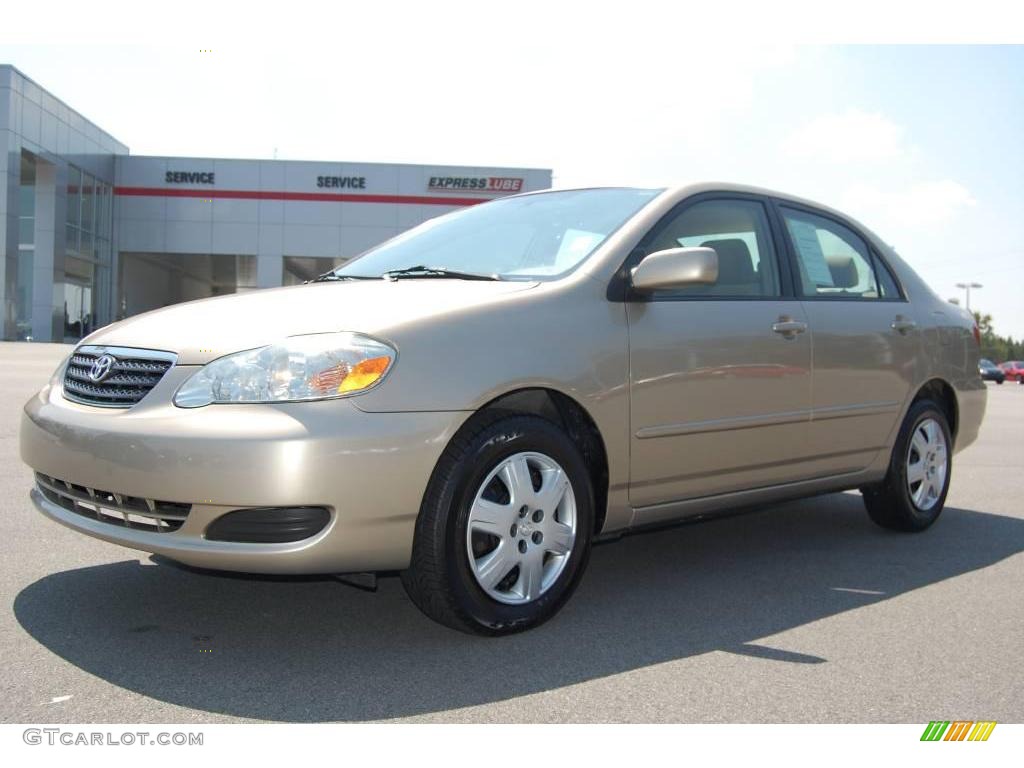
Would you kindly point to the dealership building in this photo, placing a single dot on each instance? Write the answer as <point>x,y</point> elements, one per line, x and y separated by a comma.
<point>90,234</point>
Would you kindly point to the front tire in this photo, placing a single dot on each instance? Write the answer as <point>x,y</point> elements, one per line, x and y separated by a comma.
<point>913,493</point>
<point>504,531</point>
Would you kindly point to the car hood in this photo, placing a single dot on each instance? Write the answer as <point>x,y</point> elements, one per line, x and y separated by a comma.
<point>200,331</point>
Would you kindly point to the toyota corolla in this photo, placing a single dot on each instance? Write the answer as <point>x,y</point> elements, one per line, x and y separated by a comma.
<point>477,400</point>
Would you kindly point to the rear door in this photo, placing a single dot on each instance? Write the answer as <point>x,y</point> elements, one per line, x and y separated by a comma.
<point>866,345</point>
<point>719,374</point>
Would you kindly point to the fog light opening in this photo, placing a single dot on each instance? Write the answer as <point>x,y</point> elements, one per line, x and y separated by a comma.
<point>269,525</point>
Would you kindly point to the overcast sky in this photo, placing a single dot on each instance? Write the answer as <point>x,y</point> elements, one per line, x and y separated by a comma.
<point>925,145</point>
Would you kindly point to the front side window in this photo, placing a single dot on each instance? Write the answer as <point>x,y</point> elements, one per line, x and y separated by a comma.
<point>532,237</point>
<point>738,232</point>
<point>832,260</point>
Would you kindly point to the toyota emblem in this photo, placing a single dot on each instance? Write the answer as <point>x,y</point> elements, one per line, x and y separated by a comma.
<point>101,368</point>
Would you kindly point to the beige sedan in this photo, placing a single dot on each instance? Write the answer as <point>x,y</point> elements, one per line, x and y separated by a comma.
<point>475,401</point>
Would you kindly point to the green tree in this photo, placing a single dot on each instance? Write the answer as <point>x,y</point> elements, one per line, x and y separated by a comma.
<point>993,346</point>
<point>984,322</point>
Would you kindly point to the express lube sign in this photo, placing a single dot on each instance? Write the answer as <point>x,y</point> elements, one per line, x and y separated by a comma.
<point>489,184</point>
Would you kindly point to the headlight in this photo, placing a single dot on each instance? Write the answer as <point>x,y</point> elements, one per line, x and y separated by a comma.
<point>313,367</point>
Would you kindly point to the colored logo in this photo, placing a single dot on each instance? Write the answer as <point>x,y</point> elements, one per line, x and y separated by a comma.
<point>959,730</point>
<point>475,184</point>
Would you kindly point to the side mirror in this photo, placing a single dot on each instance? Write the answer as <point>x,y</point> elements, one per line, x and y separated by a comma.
<point>676,268</point>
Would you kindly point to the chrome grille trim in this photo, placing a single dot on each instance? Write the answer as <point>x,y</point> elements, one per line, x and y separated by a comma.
<point>132,376</point>
<point>114,508</point>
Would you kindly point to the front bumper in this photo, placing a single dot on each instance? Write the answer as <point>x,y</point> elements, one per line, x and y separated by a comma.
<point>368,469</point>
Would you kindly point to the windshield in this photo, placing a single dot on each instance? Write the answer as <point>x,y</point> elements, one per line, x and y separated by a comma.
<point>533,237</point>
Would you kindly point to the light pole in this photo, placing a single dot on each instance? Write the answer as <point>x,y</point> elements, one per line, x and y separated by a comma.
<point>967,287</point>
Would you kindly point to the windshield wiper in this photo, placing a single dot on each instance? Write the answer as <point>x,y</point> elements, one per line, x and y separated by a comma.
<point>421,271</point>
<point>327,277</point>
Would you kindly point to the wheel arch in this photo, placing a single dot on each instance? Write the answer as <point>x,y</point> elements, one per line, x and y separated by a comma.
<point>567,413</point>
<point>942,392</point>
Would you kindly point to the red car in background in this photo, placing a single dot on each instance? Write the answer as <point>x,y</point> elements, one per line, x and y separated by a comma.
<point>1014,370</point>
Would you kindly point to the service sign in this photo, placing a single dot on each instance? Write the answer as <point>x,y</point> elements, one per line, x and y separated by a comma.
<point>189,177</point>
<point>341,182</point>
<point>500,184</point>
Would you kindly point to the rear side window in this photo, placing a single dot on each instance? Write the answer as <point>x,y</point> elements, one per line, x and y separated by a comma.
<point>886,282</point>
<point>738,232</point>
<point>832,260</point>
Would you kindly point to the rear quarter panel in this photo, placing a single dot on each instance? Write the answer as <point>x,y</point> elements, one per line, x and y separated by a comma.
<point>950,352</point>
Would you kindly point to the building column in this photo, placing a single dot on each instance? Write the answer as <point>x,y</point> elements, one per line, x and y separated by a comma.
<point>112,312</point>
<point>10,180</point>
<point>269,270</point>
<point>48,260</point>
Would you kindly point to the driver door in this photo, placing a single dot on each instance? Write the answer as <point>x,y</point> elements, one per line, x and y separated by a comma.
<point>720,375</point>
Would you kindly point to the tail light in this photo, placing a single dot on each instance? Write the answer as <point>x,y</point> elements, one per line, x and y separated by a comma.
<point>977,334</point>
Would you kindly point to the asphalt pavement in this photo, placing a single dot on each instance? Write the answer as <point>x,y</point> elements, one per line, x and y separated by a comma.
<point>798,612</point>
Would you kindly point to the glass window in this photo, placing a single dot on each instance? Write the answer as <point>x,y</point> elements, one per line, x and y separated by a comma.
<point>23,306</point>
<point>87,207</point>
<point>533,237</point>
<point>27,198</point>
<point>79,317</point>
<point>85,249</point>
<point>886,282</point>
<point>103,211</point>
<point>738,232</point>
<point>27,202</point>
<point>74,197</point>
<point>26,230</point>
<point>831,259</point>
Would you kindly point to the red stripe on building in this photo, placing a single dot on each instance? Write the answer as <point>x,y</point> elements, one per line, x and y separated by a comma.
<point>322,197</point>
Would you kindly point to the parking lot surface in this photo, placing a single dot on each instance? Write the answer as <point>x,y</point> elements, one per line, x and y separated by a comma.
<point>798,612</point>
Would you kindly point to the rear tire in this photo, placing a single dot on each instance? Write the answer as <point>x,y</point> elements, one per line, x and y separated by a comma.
<point>504,530</point>
<point>913,493</point>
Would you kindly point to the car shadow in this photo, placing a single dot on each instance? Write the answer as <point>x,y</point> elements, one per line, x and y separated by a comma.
<point>302,650</point>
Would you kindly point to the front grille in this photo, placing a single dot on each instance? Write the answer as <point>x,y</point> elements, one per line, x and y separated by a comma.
<point>127,375</point>
<point>114,508</point>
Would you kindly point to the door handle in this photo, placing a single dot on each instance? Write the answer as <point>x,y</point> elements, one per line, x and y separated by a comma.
<point>903,324</point>
<point>789,327</point>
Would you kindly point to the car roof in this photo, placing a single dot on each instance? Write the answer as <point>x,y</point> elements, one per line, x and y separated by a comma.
<point>724,186</point>
<point>681,191</point>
